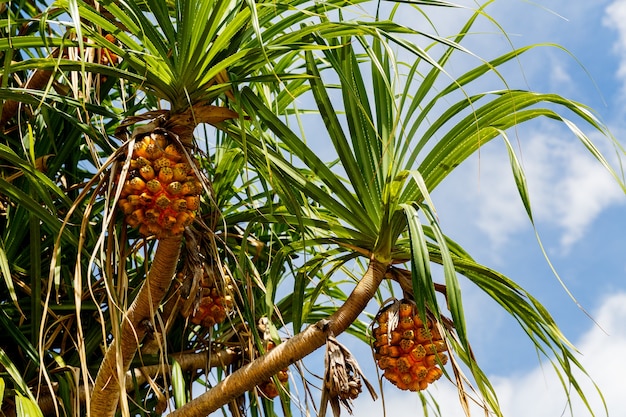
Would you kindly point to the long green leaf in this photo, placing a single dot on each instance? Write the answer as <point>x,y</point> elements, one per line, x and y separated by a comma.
<point>34,207</point>
<point>519,176</point>
<point>453,288</point>
<point>27,407</point>
<point>423,288</point>
<point>16,377</point>
<point>5,269</point>
<point>359,173</point>
<point>178,385</point>
<point>351,212</point>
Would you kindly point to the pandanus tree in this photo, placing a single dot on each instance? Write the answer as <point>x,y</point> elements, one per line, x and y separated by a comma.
<point>187,184</point>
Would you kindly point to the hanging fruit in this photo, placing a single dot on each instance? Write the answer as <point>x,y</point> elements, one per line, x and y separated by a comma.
<point>269,389</point>
<point>216,300</point>
<point>407,349</point>
<point>107,57</point>
<point>162,192</point>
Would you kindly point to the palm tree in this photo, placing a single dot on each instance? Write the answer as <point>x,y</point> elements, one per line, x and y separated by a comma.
<point>105,317</point>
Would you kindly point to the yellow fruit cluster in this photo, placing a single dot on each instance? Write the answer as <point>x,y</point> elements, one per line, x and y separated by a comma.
<point>409,352</point>
<point>161,193</point>
<point>269,388</point>
<point>213,308</point>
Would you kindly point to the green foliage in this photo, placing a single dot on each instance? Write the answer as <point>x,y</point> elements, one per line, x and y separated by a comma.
<point>287,226</point>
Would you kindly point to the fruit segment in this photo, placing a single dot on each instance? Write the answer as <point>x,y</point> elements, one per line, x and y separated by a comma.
<point>161,194</point>
<point>409,351</point>
<point>215,303</point>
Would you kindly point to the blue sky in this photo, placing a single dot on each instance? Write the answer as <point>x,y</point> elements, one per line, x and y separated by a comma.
<point>579,212</point>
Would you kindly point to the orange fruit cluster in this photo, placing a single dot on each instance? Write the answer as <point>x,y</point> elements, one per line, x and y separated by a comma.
<point>269,389</point>
<point>107,56</point>
<point>410,352</point>
<point>214,306</point>
<point>161,192</point>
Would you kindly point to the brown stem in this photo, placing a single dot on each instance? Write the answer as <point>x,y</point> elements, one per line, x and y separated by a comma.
<point>183,123</point>
<point>294,349</point>
<point>403,277</point>
<point>107,387</point>
<point>187,362</point>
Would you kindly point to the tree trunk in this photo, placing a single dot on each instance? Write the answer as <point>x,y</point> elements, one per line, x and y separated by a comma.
<point>107,387</point>
<point>292,350</point>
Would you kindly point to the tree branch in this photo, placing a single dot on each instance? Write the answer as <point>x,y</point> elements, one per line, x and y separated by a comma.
<point>292,350</point>
<point>187,361</point>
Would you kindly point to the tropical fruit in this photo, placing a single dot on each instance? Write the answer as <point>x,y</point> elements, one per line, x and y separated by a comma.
<point>269,389</point>
<point>107,57</point>
<point>407,349</point>
<point>215,302</point>
<point>161,192</point>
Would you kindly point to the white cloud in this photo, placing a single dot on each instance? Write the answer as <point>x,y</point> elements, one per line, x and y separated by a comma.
<point>559,73</point>
<point>538,392</point>
<point>615,18</point>
<point>569,189</point>
<point>587,190</point>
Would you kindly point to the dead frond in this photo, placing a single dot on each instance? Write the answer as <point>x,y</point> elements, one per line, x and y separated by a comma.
<point>343,378</point>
